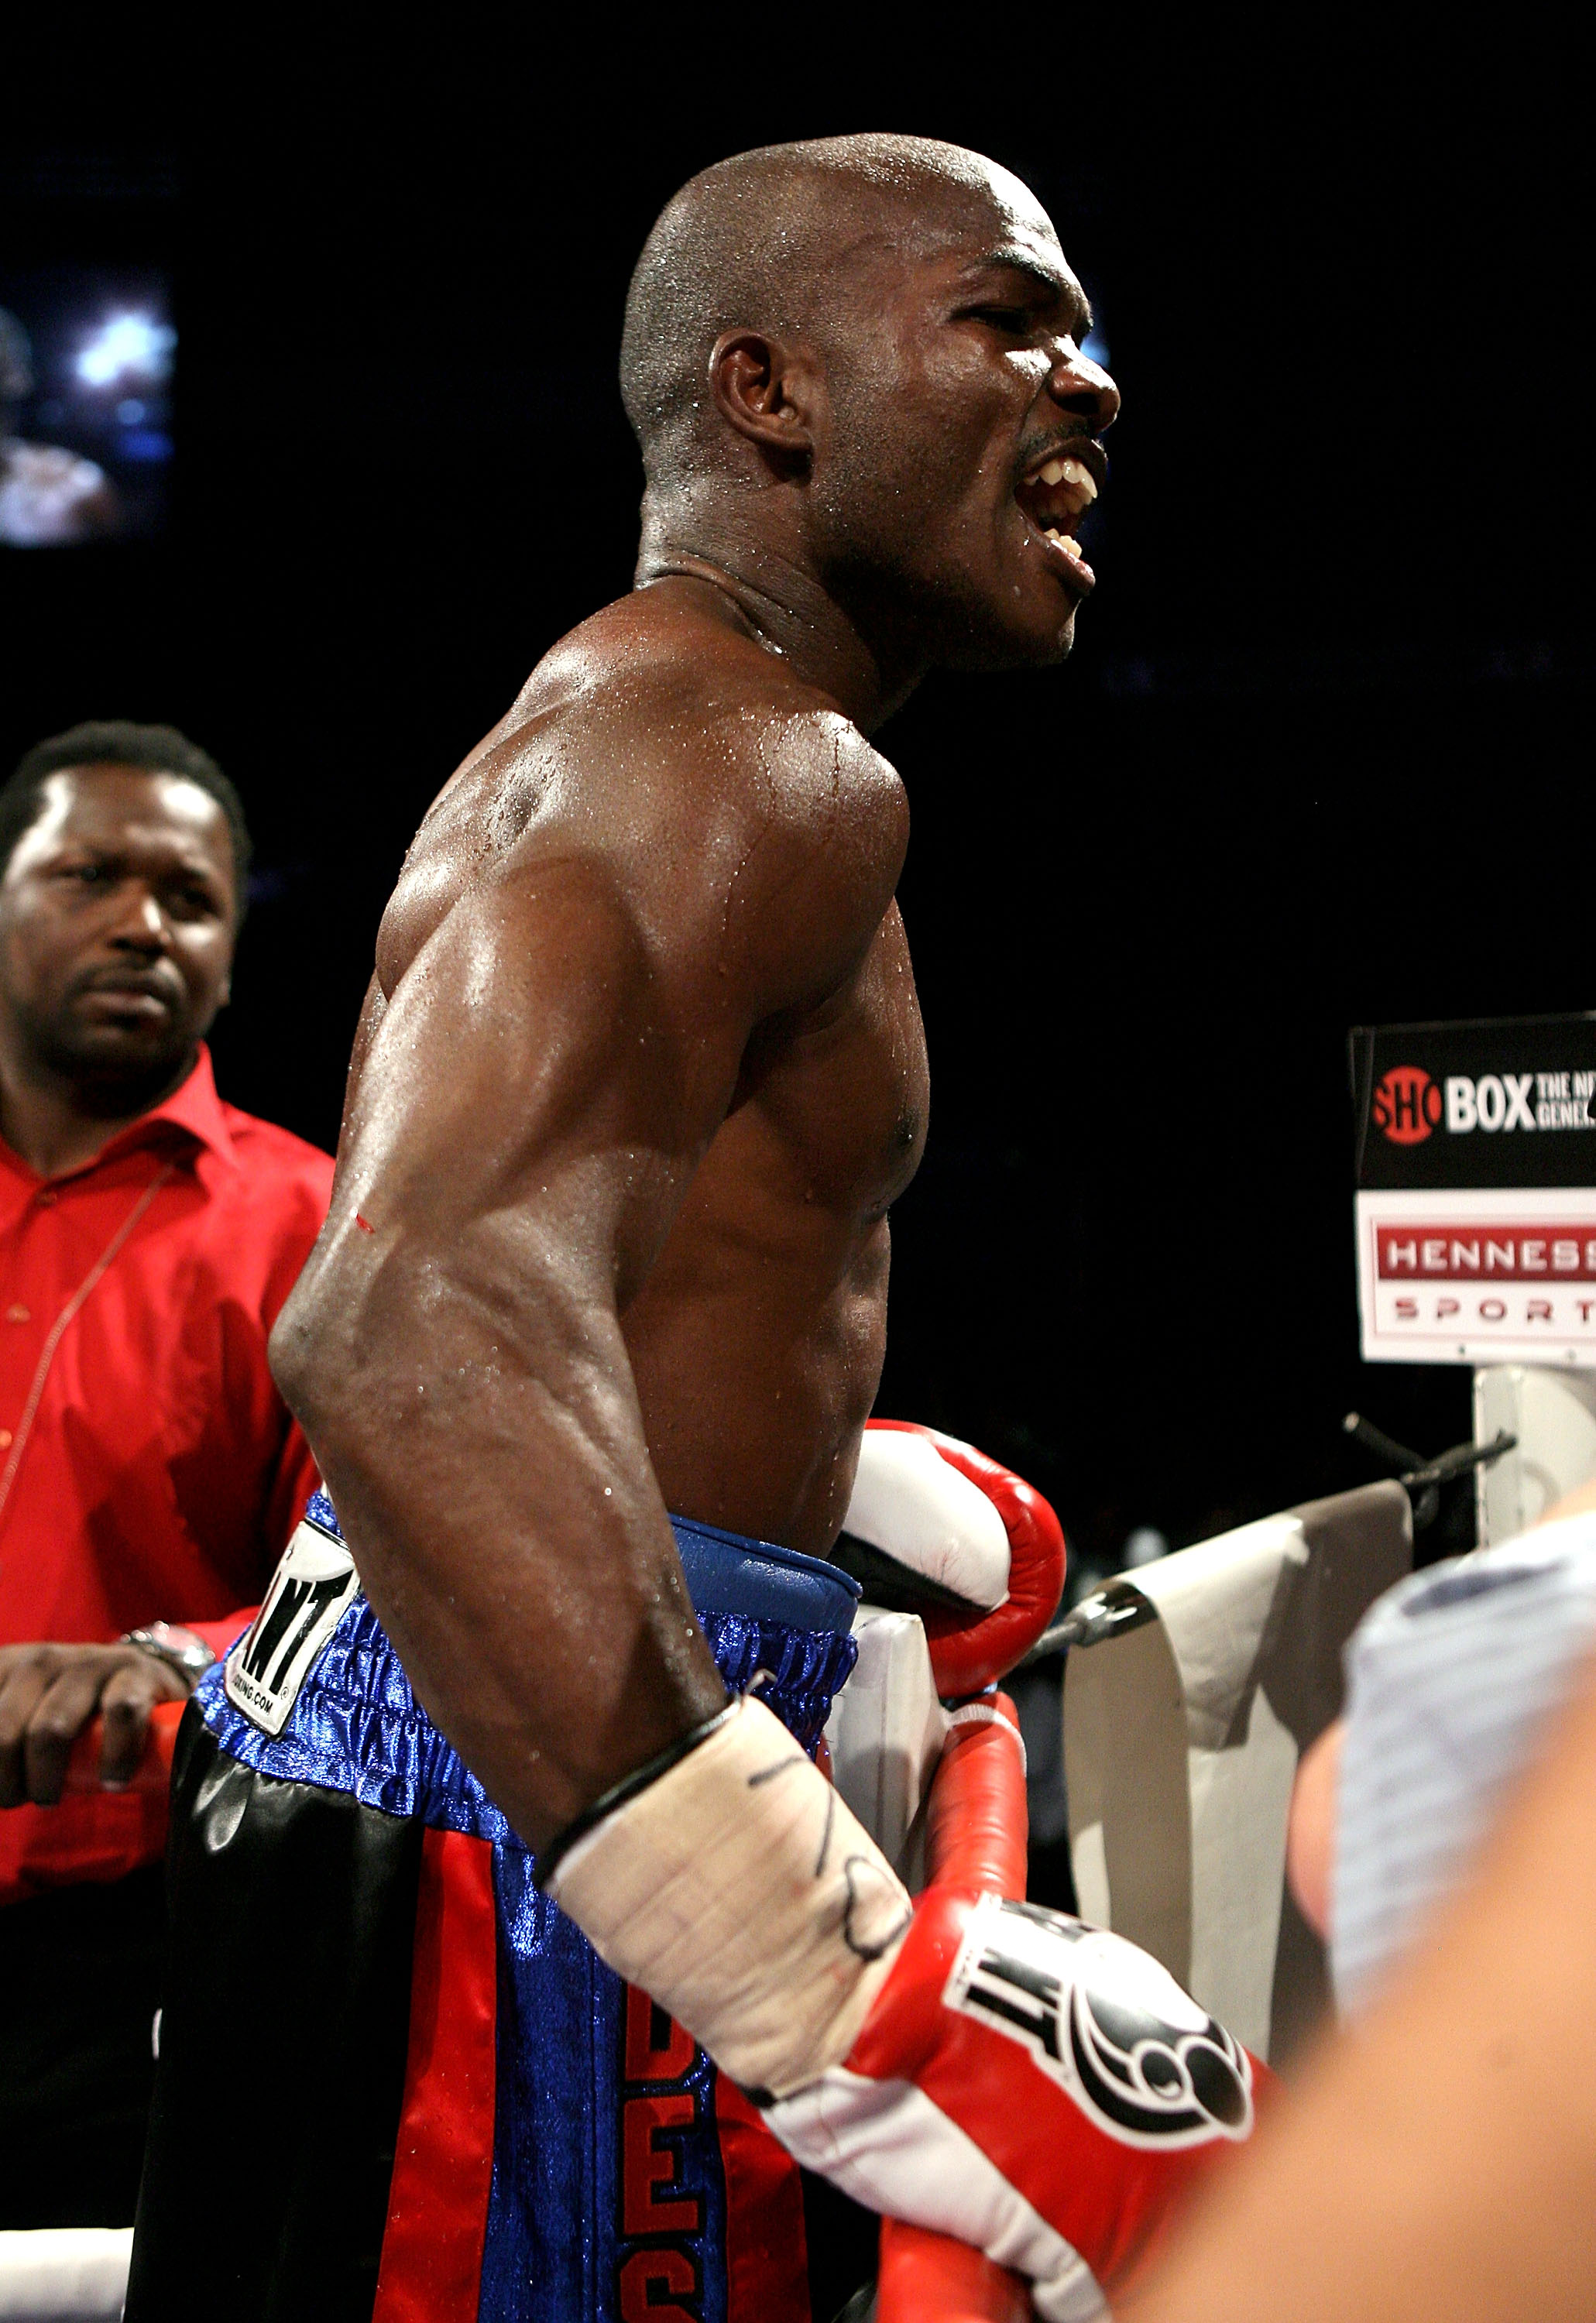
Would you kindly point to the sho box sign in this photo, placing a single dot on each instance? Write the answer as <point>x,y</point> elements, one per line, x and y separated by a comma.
<point>1476,1190</point>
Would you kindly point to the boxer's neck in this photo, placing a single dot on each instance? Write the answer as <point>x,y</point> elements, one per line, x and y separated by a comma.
<point>764,574</point>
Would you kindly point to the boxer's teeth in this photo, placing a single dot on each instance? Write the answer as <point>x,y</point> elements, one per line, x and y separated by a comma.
<point>1052,532</point>
<point>1072,472</point>
<point>1065,541</point>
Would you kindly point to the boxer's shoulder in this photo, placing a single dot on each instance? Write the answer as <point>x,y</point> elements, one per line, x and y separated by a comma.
<point>675,741</point>
<point>648,697</point>
<point>692,691</point>
<point>674,775</point>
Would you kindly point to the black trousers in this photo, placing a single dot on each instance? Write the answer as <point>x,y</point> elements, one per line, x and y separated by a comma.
<point>79,1983</point>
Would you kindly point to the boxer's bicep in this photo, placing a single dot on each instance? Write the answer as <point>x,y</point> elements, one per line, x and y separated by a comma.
<point>365,1032</point>
<point>546,1073</point>
<point>586,1014</point>
<point>529,1114</point>
<point>544,1081</point>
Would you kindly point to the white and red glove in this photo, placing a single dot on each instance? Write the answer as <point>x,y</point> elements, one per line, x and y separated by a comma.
<point>1035,2088</point>
<point>940,1511</point>
<point>976,2067</point>
<point>986,2068</point>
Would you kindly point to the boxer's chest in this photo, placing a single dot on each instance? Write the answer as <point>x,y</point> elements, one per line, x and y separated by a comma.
<point>848,1091</point>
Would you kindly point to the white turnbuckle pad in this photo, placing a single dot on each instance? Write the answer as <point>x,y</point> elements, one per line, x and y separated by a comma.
<point>885,1734</point>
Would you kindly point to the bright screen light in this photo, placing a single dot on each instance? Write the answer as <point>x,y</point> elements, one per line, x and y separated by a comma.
<point>88,358</point>
<point>126,347</point>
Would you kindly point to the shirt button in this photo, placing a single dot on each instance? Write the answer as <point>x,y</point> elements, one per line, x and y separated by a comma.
<point>18,1314</point>
<point>4,1439</point>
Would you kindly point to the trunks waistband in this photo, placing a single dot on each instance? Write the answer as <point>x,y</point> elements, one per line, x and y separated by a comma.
<point>773,1619</point>
<point>728,1572</point>
<point>732,1572</point>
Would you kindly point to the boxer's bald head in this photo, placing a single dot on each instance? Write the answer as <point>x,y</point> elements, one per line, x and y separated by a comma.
<point>786,238</point>
<point>880,335</point>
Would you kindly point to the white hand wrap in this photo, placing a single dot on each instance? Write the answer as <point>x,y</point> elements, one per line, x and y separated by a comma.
<point>740,1891</point>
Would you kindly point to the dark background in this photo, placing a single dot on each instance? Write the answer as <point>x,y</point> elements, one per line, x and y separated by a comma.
<point>1315,761</point>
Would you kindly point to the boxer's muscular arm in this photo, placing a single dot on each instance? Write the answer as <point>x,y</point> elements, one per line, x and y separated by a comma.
<point>545,1078</point>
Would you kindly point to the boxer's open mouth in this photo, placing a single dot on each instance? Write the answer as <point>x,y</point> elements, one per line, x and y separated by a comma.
<point>1055,493</point>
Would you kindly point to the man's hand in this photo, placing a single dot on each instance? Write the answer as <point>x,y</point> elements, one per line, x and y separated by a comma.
<point>48,1695</point>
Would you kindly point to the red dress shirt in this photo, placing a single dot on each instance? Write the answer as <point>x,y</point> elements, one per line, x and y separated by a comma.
<point>148,1469</point>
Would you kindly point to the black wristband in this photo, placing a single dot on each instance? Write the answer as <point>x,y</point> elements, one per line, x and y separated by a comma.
<point>550,1858</point>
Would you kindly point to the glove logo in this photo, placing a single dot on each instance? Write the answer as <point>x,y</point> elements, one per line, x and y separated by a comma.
<point>1106,2021</point>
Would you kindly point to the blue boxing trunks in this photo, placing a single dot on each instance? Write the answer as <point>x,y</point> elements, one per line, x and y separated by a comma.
<point>395,2085</point>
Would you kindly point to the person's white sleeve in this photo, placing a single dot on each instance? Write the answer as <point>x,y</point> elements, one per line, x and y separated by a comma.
<point>1451,1677</point>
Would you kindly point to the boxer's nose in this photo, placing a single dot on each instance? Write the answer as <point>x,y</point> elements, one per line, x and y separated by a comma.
<point>1080,385</point>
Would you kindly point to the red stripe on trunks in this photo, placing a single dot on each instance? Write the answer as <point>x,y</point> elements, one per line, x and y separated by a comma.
<point>766,2255</point>
<point>437,2205</point>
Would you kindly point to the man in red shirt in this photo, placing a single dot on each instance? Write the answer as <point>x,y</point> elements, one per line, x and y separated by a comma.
<point>150,1472</point>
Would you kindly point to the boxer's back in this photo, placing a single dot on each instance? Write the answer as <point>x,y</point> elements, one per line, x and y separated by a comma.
<point>661,762</point>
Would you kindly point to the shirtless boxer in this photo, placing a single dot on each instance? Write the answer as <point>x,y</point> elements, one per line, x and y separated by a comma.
<point>639,1074</point>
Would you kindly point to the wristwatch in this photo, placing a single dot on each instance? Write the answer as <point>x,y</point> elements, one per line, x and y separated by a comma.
<point>179,1649</point>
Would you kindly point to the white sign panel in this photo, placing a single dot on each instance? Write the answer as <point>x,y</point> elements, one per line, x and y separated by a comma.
<point>1484,1277</point>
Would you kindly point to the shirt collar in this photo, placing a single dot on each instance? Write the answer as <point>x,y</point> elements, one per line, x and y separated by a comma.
<point>193,1105</point>
<point>193,1108</point>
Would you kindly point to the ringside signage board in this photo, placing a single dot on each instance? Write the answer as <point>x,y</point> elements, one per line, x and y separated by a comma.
<point>1476,1190</point>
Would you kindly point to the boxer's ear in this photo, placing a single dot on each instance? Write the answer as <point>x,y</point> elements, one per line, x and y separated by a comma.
<point>769,389</point>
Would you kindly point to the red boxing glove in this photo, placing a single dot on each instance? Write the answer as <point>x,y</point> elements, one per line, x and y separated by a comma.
<point>924,1530</point>
<point>976,1828</point>
<point>926,2278</point>
<point>1038,2089</point>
